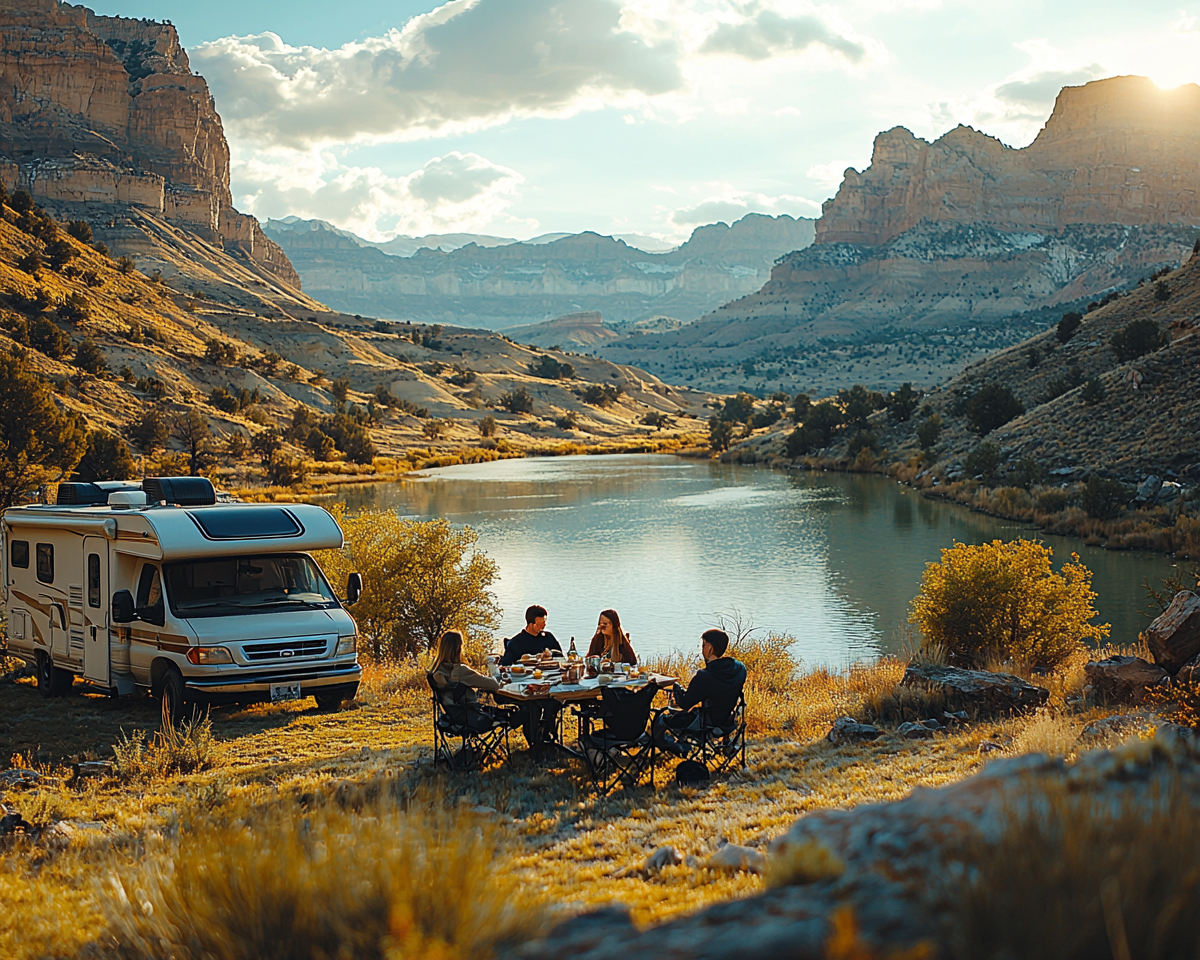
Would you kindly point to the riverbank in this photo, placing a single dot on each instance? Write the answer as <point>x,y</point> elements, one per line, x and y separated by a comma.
<point>321,479</point>
<point>268,768</point>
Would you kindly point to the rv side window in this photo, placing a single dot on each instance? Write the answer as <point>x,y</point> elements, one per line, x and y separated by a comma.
<point>93,579</point>
<point>45,562</point>
<point>149,595</point>
<point>19,553</point>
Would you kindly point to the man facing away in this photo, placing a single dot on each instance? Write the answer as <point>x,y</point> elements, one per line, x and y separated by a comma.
<point>533,639</point>
<point>540,715</point>
<point>715,688</point>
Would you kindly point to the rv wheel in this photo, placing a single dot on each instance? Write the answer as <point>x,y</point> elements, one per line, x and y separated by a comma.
<point>171,694</point>
<point>329,702</point>
<point>51,681</point>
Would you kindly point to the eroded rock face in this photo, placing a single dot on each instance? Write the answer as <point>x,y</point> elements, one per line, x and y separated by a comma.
<point>988,693</point>
<point>901,863</point>
<point>1123,679</point>
<point>1117,151</point>
<point>106,110</point>
<point>1174,638</point>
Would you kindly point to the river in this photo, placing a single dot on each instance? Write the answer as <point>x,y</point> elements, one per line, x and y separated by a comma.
<point>831,558</point>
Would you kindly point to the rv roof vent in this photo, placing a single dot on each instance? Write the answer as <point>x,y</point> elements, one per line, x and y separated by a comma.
<point>81,495</point>
<point>127,498</point>
<point>182,491</point>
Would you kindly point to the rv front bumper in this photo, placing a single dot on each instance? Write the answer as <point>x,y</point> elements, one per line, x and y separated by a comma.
<point>259,683</point>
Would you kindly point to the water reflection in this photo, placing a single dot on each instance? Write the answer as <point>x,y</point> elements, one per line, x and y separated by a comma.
<point>832,558</point>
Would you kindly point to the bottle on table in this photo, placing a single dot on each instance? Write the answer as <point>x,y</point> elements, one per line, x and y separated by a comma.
<point>572,654</point>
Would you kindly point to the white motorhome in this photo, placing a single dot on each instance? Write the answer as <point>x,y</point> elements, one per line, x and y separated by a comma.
<point>157,586</point>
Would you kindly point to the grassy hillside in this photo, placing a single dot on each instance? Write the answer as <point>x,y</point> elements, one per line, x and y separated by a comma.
<point>176,318</point>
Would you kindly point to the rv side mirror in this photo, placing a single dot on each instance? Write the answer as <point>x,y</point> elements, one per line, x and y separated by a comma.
<point>353,588</point>
<point>122,607</point>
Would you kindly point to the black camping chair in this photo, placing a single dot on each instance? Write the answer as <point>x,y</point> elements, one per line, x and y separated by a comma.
<point>621,750</point>
<point>483,734</point>
<point>715,740</point>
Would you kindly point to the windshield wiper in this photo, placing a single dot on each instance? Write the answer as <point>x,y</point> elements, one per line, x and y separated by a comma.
<point>285,602</point>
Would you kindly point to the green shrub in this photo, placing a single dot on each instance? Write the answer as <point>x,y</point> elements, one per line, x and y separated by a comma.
<point>1067,326</point>
<point>928,431</point>
<point>90,358</point>
<point>106,458</point>
<point>1004,601</point>
<point>1104,499</point>
<point>992,406</point>
<point>1136,339</point>
<point>1092,392</point>
<point>1026,473</point>
<point>738,409</point>
<point>863,440</point>
<point>1053,499</point>
<point>903,402</point>
<point>172,750</point>
<point>984,462</point>
<point>720,434</point>
<point>49,339</point>
<point>518,400</point>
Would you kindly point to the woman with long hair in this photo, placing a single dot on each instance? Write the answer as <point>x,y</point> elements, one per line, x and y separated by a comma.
<point>610,641</point>
<point>448,668</point>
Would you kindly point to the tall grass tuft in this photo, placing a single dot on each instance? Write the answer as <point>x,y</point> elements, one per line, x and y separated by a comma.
<point>1076,877</point>
<point>185,748</point>
<point>386,885</point>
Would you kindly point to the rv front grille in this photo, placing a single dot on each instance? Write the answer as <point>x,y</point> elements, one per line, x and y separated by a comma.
<point>286,649</point>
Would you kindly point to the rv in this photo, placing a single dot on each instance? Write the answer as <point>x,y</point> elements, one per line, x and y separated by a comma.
<point>157,586</point>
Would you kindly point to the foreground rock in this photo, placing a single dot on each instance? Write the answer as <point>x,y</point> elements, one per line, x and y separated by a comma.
<point>1174,638</point>
<point>979,690</point>
<point>898,866</point>
<point>849,730</point>
<point>1123,679</point>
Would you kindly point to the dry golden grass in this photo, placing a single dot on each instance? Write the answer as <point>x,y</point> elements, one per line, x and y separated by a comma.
<point>1074,877</point>
<point>567,848</point>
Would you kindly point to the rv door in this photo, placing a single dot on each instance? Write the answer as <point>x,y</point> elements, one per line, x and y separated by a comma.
<point>95,609</point>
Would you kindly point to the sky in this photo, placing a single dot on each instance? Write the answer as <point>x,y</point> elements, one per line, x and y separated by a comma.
<point>522,117</point>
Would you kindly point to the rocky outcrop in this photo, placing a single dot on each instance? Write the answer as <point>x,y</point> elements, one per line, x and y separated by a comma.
<point>515,284</point>
<point>980,690</point>
<point>1123,679</point>
<point>938,251</point>
<point>106,110</point>
<point>1174,637</point>
<point>1117,151</point>
<point>900,868</point>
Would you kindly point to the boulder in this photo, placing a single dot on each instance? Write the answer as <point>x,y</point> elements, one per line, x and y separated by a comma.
<point>1114,730</point>
<point>1174,638</point>
<point>662,857</point>
<point>1123,679</point>
<point>732,858</point>
<point>1147,491</point>
<point>915,731</point>
<point>981,690</point>
<point>849,730</point>
<point>1190,671</point>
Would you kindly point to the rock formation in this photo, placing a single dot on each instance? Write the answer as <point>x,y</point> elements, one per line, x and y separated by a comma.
<point>523,283</point>
<point>935,240</point>
<point>106,110</point>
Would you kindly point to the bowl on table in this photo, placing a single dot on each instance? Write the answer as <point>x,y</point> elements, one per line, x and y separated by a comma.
<point>604,679</point>
<point>517,670</point>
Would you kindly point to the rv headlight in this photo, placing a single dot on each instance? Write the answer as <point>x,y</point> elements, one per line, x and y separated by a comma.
<point>207,656</point>
<point>346,646</point>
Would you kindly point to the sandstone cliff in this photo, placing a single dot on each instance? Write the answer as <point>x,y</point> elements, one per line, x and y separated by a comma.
<point>521,283</point>
<point>1116,151</point>
<point>106,110</point>
<point>938,253</point>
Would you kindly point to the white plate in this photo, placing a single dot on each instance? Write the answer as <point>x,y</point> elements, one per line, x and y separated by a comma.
<point>284,691</point>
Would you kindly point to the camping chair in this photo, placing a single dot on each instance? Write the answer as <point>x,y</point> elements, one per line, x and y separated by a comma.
<point>484,735</point>
<point>719,743</point>
<point>622,749</point>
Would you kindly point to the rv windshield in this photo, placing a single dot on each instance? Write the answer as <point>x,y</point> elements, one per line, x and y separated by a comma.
<point>240,585</point>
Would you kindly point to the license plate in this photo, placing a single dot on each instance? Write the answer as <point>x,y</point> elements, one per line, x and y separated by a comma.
<point>284,691</point>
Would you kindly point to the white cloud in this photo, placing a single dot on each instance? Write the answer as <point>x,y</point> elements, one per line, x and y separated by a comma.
<point>765,33</point>
<point>453,193</point>
<point>733,206</point>
<point>465,65</point>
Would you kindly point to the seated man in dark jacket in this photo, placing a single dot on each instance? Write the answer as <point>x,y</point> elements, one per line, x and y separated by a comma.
<point>714,688</point>
<point>541,716</point>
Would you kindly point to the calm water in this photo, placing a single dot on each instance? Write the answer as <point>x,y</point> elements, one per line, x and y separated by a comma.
<point>831,558</point>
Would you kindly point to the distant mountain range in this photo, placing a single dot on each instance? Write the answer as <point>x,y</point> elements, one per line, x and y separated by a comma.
<point>941,252</point>
<point>405,246</point>
<point>503,284</point>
